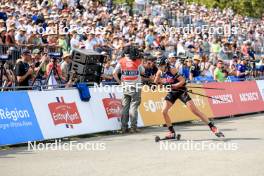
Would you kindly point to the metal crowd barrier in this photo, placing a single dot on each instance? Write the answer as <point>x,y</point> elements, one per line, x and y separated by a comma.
<point>16,49</point>
<point>92,84</point>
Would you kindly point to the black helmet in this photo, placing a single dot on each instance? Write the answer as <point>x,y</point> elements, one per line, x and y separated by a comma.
<point>132,51</point>
<point>161,61</point>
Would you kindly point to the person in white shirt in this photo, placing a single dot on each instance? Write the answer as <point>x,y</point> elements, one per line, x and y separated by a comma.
<point>75,43</point>
<point>21,37</point>
<point>91,42</point>
<point>108,72</point>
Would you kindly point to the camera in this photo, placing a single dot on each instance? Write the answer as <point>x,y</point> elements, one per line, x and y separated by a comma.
<point>5,57</point>
<point>55,55</point>
<point>133,52</point>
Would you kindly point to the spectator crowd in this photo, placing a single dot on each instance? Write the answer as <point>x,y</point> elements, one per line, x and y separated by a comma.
<point>233,52</point>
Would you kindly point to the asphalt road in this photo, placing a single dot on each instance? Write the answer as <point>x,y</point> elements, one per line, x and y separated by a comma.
<point>198,153</point>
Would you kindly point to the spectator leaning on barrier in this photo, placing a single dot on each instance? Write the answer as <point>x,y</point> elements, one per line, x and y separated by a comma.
<point>187,64</point>
<point>23,71</point>
<point>206,71</point>
<point>242,70</point>
<point>219,75</point>
<point>108,72</point>
<point>181,64</point>
<point>195,70</point>
<point>233,66</point>
<point>66,66</point>
<point>150,70</point>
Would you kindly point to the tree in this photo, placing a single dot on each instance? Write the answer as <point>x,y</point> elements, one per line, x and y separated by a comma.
<point>251,8</point>
<point>129,2</point>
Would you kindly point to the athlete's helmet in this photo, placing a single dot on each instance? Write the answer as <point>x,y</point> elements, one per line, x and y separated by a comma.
<point>161,61</point>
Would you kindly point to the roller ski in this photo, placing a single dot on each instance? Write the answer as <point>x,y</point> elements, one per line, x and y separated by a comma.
<point>169,136</point>
<point>215,130</point>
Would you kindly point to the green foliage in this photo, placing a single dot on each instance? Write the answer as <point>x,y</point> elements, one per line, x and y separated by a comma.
<point>129,2</point>
<point>252,8</point>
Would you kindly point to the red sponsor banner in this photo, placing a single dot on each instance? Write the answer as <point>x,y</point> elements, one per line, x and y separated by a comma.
<point>64,113</point>
<point>113,107</point>
<point>226,107</point>
<point>238,98</point>
<point>247,96</point>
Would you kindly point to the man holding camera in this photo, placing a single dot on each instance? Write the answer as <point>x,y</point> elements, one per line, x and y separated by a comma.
<point>131,68</point>
<point>23,71</point>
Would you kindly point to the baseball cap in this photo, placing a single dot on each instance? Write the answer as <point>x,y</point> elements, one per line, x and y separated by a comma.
<point>172,55</point>
<point>25,51</point>
<point>36,51</point>
<point>197,57</point>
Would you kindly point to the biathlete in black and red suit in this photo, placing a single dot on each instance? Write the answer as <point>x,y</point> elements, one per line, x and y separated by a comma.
<point>169,75</point>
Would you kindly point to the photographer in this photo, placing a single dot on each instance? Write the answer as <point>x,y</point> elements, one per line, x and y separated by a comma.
<point>131,68</point>
<point>54,66</point>
<point>39,62</point>
<point>23,71</point>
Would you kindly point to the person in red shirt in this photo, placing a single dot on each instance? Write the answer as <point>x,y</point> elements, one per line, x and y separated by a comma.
<point>57,73</point>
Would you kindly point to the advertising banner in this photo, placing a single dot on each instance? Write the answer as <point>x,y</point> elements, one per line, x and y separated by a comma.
<point>260,84</point>
<point>109,103</point>
<point>61,113</point>
<point>39,115</point>
<point>247,97</point>
<point>153,101</point>
<point>237,98</point>
<point>228,106</point>
<point>112,106</point>
<point>18,123</point>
